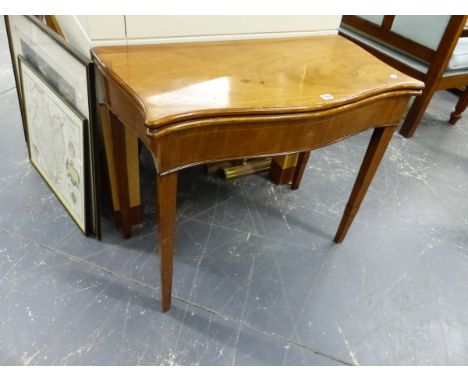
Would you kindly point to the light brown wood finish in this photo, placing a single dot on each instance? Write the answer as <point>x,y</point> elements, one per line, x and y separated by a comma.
<point>208,102</point>
<point>172,83</point>
<point>389,60</point>
<point>133,171</point>
<point>166,198</point>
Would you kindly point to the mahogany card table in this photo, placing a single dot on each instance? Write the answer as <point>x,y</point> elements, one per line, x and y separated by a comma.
<point>194,103</point>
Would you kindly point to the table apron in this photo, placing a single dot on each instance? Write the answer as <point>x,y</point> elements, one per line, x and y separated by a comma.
<point>220,139</point>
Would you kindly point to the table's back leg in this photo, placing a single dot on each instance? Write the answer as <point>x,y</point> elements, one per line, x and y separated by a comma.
<point>375,151</point>
<point>299,170</point>
<point>282,168</point>
<point>120,162</point>
<point>166,196</point>
<point>133,171</point>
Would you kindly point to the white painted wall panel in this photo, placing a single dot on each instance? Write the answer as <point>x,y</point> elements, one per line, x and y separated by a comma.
<point>106,27</point>
<point>146,27</point>
<point>85,32</point>
<point>83,20</point>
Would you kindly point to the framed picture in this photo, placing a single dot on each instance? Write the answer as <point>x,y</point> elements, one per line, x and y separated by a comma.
<point>71,76</point>
<point>57,141</point>
<point>65,68</point>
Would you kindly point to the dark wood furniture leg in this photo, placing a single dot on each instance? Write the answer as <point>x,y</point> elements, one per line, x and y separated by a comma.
<point>416,112</point>
<point>166,197</point>
<point>375,151</point>
<point>282,168</point>
<point>460,107</point>
<point>299,169</point>
<point>120,160</point>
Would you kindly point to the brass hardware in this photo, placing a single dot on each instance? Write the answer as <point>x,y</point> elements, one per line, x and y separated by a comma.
<point>248,166</point>
<point>218,167</point>
<point>236,168</point>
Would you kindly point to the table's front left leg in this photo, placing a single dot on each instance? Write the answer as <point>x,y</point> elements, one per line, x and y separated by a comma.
<point>166,196</point>
<point>375,151</point>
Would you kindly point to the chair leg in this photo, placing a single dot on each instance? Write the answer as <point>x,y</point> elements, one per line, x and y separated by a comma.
<point>415,114</point>
<point>460,107</point>
<point>299,170</point>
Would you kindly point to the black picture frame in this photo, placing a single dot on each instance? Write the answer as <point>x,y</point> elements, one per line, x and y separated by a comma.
<point>65,90</point>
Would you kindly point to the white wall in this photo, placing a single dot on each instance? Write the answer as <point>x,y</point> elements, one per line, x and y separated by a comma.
<point>184,26</point>
<point>85,32</point>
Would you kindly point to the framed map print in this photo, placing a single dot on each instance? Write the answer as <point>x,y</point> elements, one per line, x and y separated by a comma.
<point>57,136</point>
<point>71,76</point>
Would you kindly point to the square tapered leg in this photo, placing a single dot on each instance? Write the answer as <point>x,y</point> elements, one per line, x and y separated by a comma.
<point>166,197</point>
<point>374,154</point>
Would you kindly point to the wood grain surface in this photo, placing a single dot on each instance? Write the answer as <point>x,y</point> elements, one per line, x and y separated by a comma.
<point>177,82</point>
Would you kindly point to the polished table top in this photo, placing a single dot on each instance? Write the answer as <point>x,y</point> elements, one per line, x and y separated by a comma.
<point>186,81</point>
